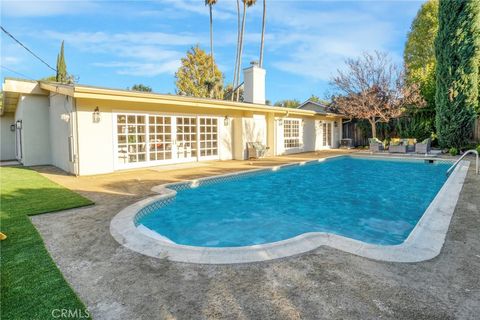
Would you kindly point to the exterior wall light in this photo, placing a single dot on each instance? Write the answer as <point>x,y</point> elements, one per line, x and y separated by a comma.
<point>226,121</point>
<point>65,117</point>
<point>18,124</point>
<point>96,115</point>
<point>12,127</point>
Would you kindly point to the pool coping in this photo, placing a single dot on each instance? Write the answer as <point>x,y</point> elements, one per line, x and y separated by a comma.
<point>424,242</point>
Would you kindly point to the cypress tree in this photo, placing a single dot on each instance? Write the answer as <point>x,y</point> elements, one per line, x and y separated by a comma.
<point>61,67</point>
<point>457,48</point>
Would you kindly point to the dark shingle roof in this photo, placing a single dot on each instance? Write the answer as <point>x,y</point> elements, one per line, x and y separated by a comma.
<point>314,106</point>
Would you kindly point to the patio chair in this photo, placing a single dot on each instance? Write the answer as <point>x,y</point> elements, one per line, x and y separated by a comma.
<point>424,146</point>
<point>256,150</point>
<point>398,146</point>
<point>375,145</point>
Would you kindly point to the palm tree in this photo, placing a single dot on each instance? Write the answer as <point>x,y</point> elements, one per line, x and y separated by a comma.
<point>210,4</point>
<point>263,33</point>
<point>236,54</point>
<point>246,3</point>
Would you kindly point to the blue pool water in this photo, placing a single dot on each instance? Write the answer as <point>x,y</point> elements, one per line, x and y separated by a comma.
<point>375,201</point>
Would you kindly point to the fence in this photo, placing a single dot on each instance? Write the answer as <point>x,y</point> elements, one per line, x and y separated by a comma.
<point>476,130</point>
<point>351,130</point>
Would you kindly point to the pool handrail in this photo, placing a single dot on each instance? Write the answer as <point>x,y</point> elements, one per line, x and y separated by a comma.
<point>460,159</point>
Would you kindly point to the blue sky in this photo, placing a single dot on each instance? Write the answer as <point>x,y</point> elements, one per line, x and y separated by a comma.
<point>119,43</point>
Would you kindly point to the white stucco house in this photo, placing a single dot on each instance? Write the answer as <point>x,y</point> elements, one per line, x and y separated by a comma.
<point>88,130</point>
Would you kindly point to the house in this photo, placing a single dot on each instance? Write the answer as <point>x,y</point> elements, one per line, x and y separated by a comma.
<point>86,130</point>
<point>329,130</point>
<point>314,106</point>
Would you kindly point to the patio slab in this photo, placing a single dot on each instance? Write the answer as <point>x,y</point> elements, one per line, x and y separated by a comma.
<point>326,283</point>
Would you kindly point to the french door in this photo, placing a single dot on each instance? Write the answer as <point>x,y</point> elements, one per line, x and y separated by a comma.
<point>327,134</point>
<point>208,132</point>
<point>186,138</point>
<point>146,139</point>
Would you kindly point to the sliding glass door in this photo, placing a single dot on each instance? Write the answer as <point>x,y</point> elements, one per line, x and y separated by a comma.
<point>148,139</point>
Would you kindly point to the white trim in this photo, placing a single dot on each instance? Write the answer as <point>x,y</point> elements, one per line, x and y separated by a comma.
<point>298,148</point>
<point>175,159</point>
<point>424,242</point>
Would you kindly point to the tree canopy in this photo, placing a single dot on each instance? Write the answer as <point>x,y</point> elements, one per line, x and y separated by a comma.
<point>195,77</point>
<point>371,87</point>
<point>141,87</point>
<point>315,98</point>
<point>228,93</point>
<point>287,103</point>
<point>61,66</point>
<point>419,53</point>
<point>457,50</point>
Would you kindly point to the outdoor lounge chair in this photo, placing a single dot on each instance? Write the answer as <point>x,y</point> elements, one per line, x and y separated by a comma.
<point>423,147</point>
<point>398,146</point>
<point>375,145</point>
<point>256,150</point>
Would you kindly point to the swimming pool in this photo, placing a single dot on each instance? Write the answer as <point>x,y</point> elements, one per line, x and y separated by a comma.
<point>371,206</point>
<point>376,201</point>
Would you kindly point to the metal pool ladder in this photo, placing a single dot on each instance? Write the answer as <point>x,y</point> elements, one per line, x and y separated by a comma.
<point>460,159</point>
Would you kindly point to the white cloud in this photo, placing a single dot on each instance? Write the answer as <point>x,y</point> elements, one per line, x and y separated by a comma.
<point>102,39</point>
<point>29,8</point>
<point>10,60</point>
<point>220,11</point>
<point>141,69</point>
<point>136,53</point>
<point>314,44</point>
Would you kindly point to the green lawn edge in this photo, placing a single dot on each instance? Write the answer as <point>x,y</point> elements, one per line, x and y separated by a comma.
<point>32,286</point>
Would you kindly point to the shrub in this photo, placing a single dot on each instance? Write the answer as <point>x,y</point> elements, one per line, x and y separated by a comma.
<point>478,149</point>
<point>453,151</point>
<point>456,50</point>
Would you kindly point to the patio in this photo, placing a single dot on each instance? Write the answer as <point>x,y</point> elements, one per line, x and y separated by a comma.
<point>115,282</point>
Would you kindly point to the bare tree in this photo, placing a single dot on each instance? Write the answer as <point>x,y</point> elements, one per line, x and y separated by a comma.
<point>371,87</point>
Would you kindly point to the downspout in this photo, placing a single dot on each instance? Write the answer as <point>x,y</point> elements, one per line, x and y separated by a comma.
<point>75,140</point>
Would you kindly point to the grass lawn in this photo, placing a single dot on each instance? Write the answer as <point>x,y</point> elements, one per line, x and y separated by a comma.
<point>31,284</point>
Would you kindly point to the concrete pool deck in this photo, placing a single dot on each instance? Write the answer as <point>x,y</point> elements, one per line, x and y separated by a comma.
<point>115,282</point>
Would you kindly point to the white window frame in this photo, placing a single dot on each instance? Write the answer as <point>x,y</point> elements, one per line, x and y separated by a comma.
<point>175,158</point>
<point>327,139</point>
<point>208,141</point>
<point>291,131</point>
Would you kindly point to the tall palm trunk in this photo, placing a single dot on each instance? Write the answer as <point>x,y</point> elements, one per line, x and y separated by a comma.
<point>263,33</point>
<point>236,55</point>
<point>240,50</point>
<point>211,40</point>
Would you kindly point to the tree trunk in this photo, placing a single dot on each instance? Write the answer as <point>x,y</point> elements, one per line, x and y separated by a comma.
<point>374,127</point>
<point>263,33</point>
<point>211,41</point>
<point>240,51</point>
<point>234,84</point>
